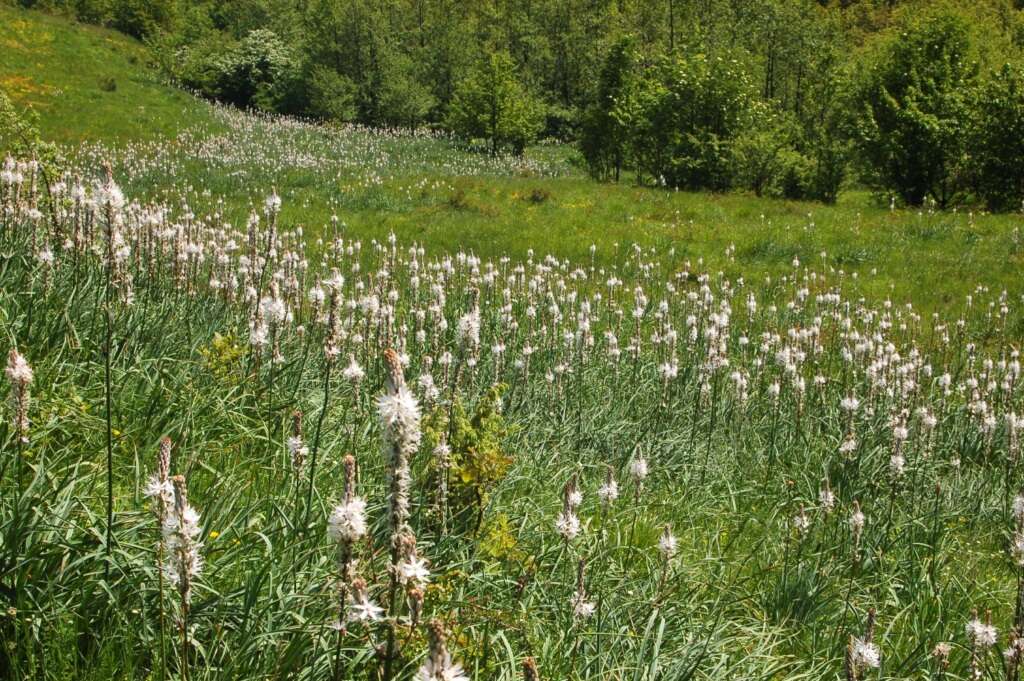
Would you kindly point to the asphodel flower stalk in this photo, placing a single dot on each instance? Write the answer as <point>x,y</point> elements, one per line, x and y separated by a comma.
<point>181,534</point>
<point>161,490</point>
<point>19,375</point>
<point>399,414</point>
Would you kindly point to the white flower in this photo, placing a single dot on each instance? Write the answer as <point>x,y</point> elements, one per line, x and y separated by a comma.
<point>1017,548</point>
<point>581,607</point>
<point>18,371</point>
<point>849,404</point>
<point>273,203</point>
<point>802,522</point>
<point>364,610</point>
<point>413,570</point>
<point>568,525</point>
<point>161,491</point>
<point>857,521</point>
<point>981,634</point>
<point>441,670</point>
<point>297,448</point>
<point>109,194</point>
<point>667,544</point>
<point>348,521</point>
<point>353,372</point>
<point>429,388</point>
<point>398,408</point>
<point>864,655</point>
<point>469,328</point>
<point>1018,508</point>
<point>638,468</point>
<point>827,500</point>
<point>180,534</point>
<point>608,492</point>
<point>897,464</point>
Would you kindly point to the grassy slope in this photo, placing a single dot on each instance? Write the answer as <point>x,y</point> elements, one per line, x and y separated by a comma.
<point>934,260</point>
<point>57,67</point>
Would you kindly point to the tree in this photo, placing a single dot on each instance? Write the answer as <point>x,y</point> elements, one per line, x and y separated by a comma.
<point>141,18</point>
<point>997,148</point>
<point>492,104</point>
<point>331,95</point>
<point>913,108</point>
<point>400,97</point>
<point>685,117</point>
<point>605,132</point>
<point>255,71</point>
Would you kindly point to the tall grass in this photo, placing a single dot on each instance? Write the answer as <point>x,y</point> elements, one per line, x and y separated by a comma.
<point>792,458</point>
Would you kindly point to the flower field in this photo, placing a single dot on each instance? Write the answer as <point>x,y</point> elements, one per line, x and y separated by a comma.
<point>296,401</point>
<point>232,451</point>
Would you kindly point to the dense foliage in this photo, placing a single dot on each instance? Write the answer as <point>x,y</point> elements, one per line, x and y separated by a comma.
<point>786,98</point>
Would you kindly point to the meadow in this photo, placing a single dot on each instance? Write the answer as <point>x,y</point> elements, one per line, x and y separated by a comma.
<point>300,401</point>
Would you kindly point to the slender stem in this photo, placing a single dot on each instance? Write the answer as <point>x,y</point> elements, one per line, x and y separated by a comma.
<point>316,440</point>
<point>110,440</point>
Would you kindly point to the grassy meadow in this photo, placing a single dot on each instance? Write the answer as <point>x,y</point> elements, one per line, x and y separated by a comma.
<point>596,431</point>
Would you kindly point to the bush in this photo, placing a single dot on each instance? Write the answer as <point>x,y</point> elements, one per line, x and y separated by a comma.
<point>258,71</point>
<point>687,113</point>
<point>492,104</point>
<point>760,154</point>
<point>141,18</point>
<point>997,148</point>
<point>20,138</point>
<point>913,110</point>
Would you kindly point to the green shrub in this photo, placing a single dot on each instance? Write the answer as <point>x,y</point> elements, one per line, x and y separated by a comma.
<point>688,112</point>
<point>490,103</point>
<point>913,109</point>
<point>760,154</point>
<point>20,138</point>
<point>478,459</point>
<point>997,148</point>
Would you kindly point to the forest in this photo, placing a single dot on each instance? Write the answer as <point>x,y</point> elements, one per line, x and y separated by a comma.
<point>921,101</point>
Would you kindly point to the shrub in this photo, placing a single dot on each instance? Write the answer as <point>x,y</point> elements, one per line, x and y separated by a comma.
<point>478,459</point>
<point>997,148</point>
<point>912,110</point>
<point>538,195</point>
<point>492,104</point>
<point>20,138</point>
<point>257,71</point>
<point>760,154</point>
<point>688,112</point>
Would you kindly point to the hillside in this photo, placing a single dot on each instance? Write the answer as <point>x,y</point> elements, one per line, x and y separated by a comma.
<point>428,188</point>
<point>286,400</point>
<point>88,83</point>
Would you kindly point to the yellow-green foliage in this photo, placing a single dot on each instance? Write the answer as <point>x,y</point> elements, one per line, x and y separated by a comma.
<point>478,460</point>
<point>223,358</point>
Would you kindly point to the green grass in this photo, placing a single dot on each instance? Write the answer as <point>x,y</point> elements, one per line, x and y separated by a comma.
<point>746,596</point>
<point>418,192</point>
<point>88,83</point>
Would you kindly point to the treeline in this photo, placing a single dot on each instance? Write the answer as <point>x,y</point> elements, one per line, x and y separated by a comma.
<point>918,99</point>
<point>929,110</point>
